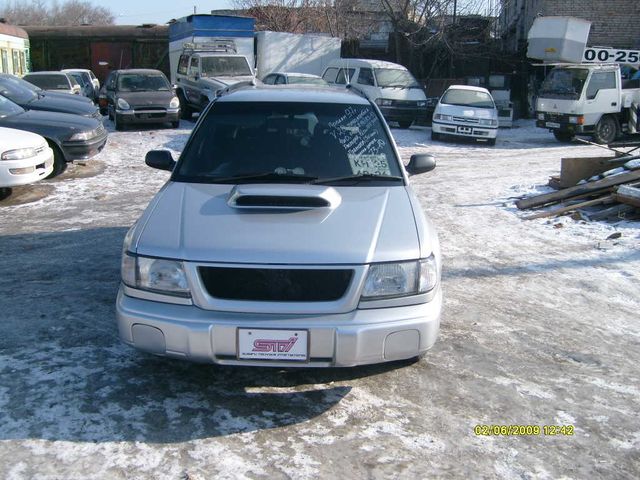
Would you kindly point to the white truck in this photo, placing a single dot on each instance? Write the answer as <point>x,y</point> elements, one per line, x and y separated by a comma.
<point>585,93</point>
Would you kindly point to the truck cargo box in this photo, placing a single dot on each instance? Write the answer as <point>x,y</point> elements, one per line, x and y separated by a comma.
<point>558,39</point>
<point>290,52</point>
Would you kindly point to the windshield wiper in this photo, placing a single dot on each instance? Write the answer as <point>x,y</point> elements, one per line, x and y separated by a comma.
<point>268,177</point>
<point>360,177</point>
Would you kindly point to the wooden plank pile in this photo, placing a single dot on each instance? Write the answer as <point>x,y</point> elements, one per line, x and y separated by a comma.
<point>610,195</point>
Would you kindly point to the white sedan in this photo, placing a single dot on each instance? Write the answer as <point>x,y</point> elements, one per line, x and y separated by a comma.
<point>25,157</point>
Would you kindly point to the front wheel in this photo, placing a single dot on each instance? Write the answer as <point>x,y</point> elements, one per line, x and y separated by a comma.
<point>117,122</point>
<point>435,135</point>
<point>175,124</point>
<point>564,137</point>
<point>59,163</point>
<point>606,130</point>
<point>491,141</point>
<point>186,112</point>
<point>405,124</point>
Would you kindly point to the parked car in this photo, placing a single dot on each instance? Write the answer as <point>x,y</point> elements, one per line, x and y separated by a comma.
<point>282,78</point>
<point>139,96</point>
<point>391,86</point>
<point>54,81</point>
<point>94,79</point>
<point>287,235</point>
<point>17,91</point>
<point>49,93</point>
<point>71,137</point>
<point>86,85</point>
<point>25,158</point>
<point>465,111</point>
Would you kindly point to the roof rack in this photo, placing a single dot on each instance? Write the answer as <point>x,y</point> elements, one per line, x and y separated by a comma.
<point>225,45</point>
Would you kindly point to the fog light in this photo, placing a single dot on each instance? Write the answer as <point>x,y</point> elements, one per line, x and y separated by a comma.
<point>22,171</point>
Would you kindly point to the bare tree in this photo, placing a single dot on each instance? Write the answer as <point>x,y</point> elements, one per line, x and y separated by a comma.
<point>70,12</point>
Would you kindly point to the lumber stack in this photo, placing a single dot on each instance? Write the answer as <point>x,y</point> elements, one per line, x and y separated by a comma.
<point>611,195</point>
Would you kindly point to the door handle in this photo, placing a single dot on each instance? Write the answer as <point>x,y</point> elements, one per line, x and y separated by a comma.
<point>614,104</point>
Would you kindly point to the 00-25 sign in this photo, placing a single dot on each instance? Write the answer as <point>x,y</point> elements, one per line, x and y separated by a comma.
<point>610,55</point>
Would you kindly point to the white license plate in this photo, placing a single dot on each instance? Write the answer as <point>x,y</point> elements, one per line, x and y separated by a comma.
<point>552,125</point>
<point>263,344</point>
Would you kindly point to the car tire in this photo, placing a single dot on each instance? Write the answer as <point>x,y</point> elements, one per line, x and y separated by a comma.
<point>564,137</point>
<point>186,112</point>
<point>59,163</point>
<point>175,124</point>
<point>5,192</point>
<point>405,124</point>
<point>117,122</point>
<point>491,142</point>
<point>606,130</point>
<point>435,136</point>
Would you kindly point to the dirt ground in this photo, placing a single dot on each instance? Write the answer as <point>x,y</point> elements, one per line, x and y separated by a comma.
<point>540,327</point>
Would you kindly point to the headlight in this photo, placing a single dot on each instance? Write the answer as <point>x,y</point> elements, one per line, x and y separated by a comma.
<point>384,102</point>
<point>400,279</point>
<point>446,118</point>
<point>541,116</point>
<point>18,154</point>
<point>422,104</point>
<point>123,104</point>
<point>154,274</point>
<point>174,103</point>
<point>487,121</point>
<point>84,135</point>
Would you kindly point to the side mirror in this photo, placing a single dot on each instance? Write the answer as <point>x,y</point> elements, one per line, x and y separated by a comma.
<point>421,163</point>
<point>160,159</point>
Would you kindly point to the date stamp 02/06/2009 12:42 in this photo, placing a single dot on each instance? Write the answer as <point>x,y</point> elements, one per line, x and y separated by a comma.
<point>523,430</point>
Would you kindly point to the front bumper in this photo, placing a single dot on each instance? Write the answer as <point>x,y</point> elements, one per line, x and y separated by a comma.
<point>34,169</point>
<point>129,117</point>
<point>403,114</point>
<point>85,149</point>
<point>464,130</point>
<point>358,337</point>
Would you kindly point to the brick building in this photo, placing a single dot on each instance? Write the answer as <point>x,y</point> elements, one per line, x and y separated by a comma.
<point>615,23</point>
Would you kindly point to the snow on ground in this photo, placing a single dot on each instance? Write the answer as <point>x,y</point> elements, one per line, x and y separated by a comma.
<point>540,327</point>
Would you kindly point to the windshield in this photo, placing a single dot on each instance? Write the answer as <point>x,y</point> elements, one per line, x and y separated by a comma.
<point>137,82</point>
<point>287,142</point>
<point>224,66</point>
<point>49,82</point>
<point>8,108</point>
<point>293,79</point>
<point>80,78</point>
<point>467,98</point>
<point>393,77</point>
<point>15,91</point>
<point>564,83</point>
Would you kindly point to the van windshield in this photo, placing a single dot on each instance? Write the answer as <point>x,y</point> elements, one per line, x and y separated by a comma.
<point>395,78</point>
<point>288,142</point>
<point>224,67</point>
<point>467,98</point>
<point>564,83</point>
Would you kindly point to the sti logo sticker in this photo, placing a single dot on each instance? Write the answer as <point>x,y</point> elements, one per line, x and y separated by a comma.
<point>280,346</point>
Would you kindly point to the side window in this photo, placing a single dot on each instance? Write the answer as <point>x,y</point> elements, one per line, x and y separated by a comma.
<point>193,67</point>
<point>269,79</point>
<point>330,75</point>
<point>344,74</point>
<point>365,77</point>
<point>5,61</point>
<point>183,63</point>
<point>600,81</point>
<point>281,80</point>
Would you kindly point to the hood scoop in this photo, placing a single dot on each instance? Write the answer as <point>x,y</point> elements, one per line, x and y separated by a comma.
<point>283,197</point>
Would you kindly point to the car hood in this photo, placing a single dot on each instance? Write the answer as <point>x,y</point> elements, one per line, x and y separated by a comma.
<point>51,103</point>
<point>470,112</point>
<point>49,124</point>
<point>66,97</point>
<point>221,82</point>
<point>195,222</point>
<point>412,94</point>
<point>147,99</point>
<point>11,138</point>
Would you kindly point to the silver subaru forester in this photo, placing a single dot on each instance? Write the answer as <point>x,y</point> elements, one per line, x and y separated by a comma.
<point>288,235</point>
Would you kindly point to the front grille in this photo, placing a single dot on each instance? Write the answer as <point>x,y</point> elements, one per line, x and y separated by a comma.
<point>147,108</point>
<point>405,103</point>
<point>275,284</point>
<point>466,120</point>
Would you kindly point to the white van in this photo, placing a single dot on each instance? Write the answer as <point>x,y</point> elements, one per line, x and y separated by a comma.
<point>466,111</point>
<point>391,86</point>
